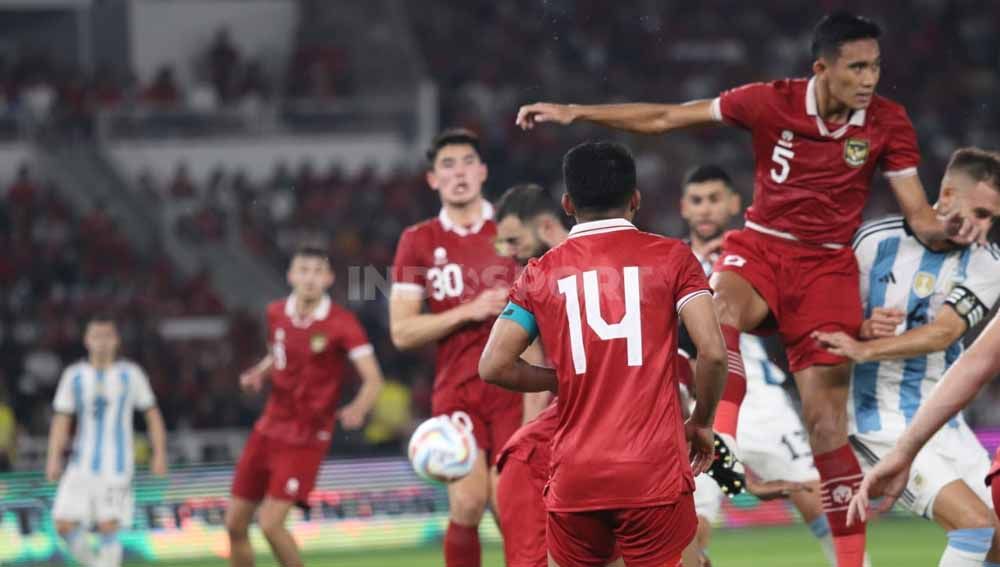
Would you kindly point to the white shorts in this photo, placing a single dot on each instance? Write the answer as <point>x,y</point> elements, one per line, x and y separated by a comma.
<point>707,498</point>
<point>88,499</point>
<point>770,438</point>
<point>954,453</point>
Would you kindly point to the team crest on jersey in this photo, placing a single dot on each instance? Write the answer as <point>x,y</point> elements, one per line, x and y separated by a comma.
<point>923,284</point>
<point>855,152</point>
<point>317,343</point>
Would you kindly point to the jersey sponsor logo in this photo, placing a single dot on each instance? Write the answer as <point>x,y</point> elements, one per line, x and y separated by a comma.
<point>855,152</point>
<point>734,260</point>
<point>292,486</point>
<point>842,494</point>
<point>440,256</point>
<point>318,343</point>
<point>923,284</point>
<point>323,435</point>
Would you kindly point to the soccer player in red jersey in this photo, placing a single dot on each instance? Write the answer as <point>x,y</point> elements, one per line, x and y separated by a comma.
<point>606,304</point>
<point>309,339</point>
<point>451,263</point>
<point>817,143</point>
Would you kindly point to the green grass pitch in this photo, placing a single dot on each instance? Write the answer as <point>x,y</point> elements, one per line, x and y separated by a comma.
<point>914,543</point>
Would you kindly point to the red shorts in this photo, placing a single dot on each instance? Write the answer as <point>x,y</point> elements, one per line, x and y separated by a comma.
<point>522,511</point>
<point>495,413</point>
<point>807,288</point>
<point>645,537</point>
<point>277,469</point>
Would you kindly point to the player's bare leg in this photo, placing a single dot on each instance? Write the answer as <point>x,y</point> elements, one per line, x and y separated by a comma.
<point>467,499</point>
<point>109,554</point>
<point>76,540</point>
<point>694,553</point>
<point>494,503</point>
<point>970,524</point>
<point>272,516</point>
<point>824,391</point>
<point>239,514</point>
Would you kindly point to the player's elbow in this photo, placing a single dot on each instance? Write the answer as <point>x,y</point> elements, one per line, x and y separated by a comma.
<point>401,339</point>
<point>488,371</point>
<point>714,357</point>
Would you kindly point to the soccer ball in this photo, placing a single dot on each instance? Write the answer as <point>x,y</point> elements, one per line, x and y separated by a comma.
<point>442,449</point>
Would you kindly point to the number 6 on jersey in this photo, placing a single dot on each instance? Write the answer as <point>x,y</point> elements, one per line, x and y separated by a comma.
<point>629,328</point>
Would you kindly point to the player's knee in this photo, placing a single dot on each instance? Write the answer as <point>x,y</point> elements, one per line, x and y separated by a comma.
<point>271,526</point>
<point>64,528</point>
<point>976,518</point>
<point>237,528</point>
<point>823,422</point>
<point>467,509</point>
<point>108,528</point>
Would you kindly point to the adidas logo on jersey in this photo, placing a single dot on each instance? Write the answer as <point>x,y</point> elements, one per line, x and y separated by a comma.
<point>888,278</point>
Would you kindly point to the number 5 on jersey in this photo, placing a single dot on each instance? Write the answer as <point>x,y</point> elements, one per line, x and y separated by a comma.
<point>629,328</point>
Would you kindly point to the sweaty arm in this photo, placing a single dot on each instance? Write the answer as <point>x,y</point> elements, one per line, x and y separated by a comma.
<point>935,336</point>
<point>912,199</point>
<point>642,118</point>
<point>698,316</point>
<point>957,388</point>
<point>501,361</point>
<point>409,328</point>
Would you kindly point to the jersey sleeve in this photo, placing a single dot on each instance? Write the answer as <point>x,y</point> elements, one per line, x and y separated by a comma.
<point>408,275</point>
<point>520,292</point>
<point>355,339</point>
<point>66,395</point>
<point>689,278</point>
<point>144,397</point>
<point>975,295</point>
<point>741,106</point>
<point>902,154</point>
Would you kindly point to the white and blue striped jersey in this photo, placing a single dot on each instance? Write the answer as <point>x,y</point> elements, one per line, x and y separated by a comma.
<point>897,271</point>
<point>103,402</point>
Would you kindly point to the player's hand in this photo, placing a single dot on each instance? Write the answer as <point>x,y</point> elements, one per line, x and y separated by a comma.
<point>531,114</point>
<point>886,480</point>
<point>883,323</point>
<point>351,417</point>
<point>841,344</point>
<point>53,469</point>
<point>158,464</point>
<point>959,228</point>
<point>252,380</point>
<point>487,304</point>
<point>774,489</point>
<point>701,441</point>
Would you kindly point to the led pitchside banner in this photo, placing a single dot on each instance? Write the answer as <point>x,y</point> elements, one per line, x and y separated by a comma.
<point>357,504</point>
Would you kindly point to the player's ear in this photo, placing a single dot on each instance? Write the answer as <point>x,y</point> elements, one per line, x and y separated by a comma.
<point>635,201</point>
<point>432,180</point>
<point>735,203</point>
<point>819,65</point>
<point>567,205</point>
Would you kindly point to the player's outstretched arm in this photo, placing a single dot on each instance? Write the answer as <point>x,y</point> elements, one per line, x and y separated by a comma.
<point>352,416</point>
<point>928,224</point>
<point>501,362</point>
<point>642,118</point>
<point>698,316</point>
<point>157,431</point>
<point>58,437</point>
<point>253,379</point>
<point>935,336</point>
<point>410,329</point>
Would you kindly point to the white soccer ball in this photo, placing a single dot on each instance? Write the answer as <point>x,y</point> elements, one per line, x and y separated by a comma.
<point>443,449</point>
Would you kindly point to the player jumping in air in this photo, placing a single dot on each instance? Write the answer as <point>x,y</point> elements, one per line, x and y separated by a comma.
<point>817,143</point>
<point>931,295</point>
<point>451,264</point>
<point>102,393</point>
<point>309,339</point>
<point>606,305</point>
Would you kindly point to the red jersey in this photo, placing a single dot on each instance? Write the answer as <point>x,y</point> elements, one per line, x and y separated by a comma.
<point>534,439</point>
<point>450,265</point>
<point>308,369</point>
<point>811,179</point>
<point>606,302</point>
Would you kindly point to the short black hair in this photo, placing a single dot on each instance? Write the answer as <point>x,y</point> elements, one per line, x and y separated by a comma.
<point>451,137</point>
<point>982,166</point>
<point>102,318</point>
<point>599,175</point>
<point>311,250</point>
<point>526,201</point>
<point>838,28</point>
<point>707,172</point>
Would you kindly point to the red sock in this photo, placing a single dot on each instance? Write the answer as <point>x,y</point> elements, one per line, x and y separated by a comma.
<point>840,475</point>
<point>461,546</point>
<point>728,413</point>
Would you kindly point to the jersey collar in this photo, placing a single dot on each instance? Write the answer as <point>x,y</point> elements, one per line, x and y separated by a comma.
<point>319,313</point>
<point>600,227</point>
<point>857,116</point>
<point>487,214</point>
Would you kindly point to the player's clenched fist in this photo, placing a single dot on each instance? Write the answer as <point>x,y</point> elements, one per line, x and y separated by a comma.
<point>252,380</point>
<point>530,114</point>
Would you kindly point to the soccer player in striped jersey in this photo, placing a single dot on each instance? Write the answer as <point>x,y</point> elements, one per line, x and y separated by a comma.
<point>919,301</point>
<point>96,488</point>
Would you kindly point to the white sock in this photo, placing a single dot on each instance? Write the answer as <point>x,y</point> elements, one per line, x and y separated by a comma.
<point>79,546</point>
<point>110,552</point>
<point>967,547</point>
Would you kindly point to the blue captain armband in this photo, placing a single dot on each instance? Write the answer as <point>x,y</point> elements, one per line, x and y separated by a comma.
<point>522,317</point>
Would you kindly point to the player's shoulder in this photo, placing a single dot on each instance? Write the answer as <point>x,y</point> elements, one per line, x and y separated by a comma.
<point>874,231</point>
<point>985,259</point>
<point>339,314</point>
<point>883,109</point>
<point>422,229</point>
<point>75,368</point>
<point>276,307</point>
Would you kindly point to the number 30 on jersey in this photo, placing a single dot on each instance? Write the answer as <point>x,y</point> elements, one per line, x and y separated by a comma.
<point>629,328</point>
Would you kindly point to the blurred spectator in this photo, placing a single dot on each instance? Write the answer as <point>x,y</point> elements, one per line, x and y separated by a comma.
<point>163,92</point>
<point>182,187</point>
<point>23,191</point>
<point>223,64</point>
